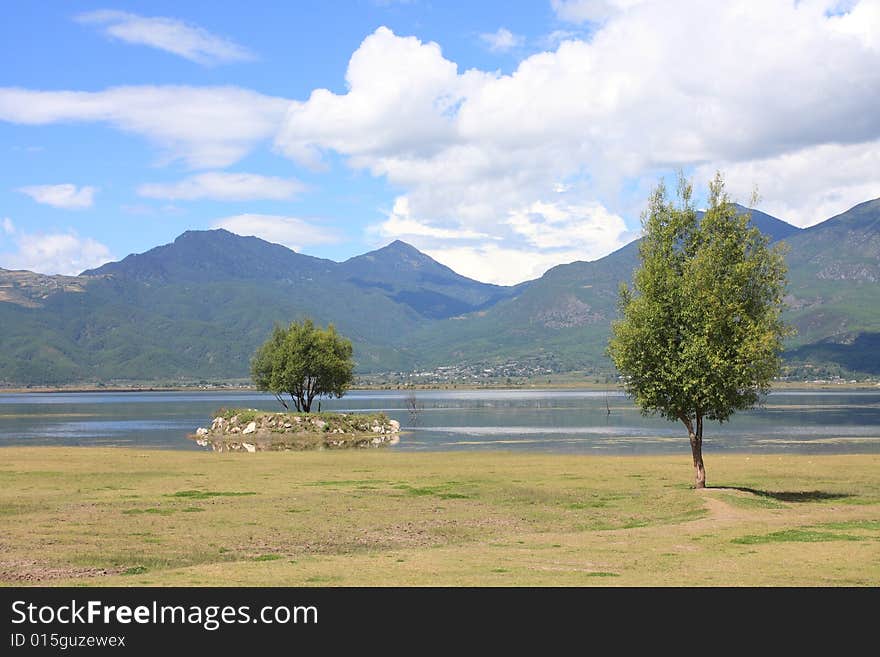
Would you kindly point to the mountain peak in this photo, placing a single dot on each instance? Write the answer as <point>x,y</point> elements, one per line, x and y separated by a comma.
<point>865,215</point>
<point>399,246</point>
<point>396,253</point>
<point>216,254</point>
<point>775,229</point>
<point>211,235</point>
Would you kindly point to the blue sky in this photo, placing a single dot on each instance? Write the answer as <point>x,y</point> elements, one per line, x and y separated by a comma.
<point>502,138</point>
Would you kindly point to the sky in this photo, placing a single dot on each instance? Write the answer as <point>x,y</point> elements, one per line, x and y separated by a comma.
<point>501,138</point>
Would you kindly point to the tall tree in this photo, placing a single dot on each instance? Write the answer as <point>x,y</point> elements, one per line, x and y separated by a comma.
<point>700,334</point>
<point>303,362</point>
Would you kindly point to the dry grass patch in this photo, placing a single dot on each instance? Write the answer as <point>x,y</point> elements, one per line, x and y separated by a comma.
<point>134,517</point>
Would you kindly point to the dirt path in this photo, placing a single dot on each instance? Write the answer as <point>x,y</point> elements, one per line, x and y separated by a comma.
<point>722,512</point>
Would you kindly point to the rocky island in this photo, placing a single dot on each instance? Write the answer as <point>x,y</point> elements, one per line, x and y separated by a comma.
<point>251,430</point>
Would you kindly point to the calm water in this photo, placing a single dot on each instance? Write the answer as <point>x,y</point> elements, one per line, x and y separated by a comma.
<point>573,421</point>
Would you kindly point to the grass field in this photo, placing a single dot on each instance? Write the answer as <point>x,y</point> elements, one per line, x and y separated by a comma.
<point>100,517</point>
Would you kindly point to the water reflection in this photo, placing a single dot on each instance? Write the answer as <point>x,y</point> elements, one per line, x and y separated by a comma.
<point>572,421</point>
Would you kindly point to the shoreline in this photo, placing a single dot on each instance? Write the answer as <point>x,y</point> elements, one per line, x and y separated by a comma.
<point>867,386</point>
<point>464,454</point>
<point>684,453</point>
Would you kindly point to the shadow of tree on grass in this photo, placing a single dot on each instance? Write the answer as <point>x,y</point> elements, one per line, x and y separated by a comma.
<point>788,496</point>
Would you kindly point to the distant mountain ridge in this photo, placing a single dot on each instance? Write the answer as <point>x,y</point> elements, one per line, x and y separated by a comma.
<point>775,229</point>
<point>398,271</point>
<point>408,276</point>
<point>561,320</point>
<point>199,255</point>
<point>834,291</point>
<point>198,307</point>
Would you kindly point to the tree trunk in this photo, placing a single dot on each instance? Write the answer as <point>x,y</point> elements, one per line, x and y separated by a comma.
<point>695,434</point>
<point>696,437</point>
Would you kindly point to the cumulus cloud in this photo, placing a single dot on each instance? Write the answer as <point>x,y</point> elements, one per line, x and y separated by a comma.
<point>495,263</point>
<point>292,232</point>
<point>66,196</point>
<point>501,40</point>
<point>581,11</point>
<point>402,225</point>
<point>529,241</point>
<point>552,40</point>
<point>776,94</point>
<point>53,253</point>
<point>222,186</point>
<point>656,87</point>
<point>809,185</point>
<point>169,34</point>
<point>590,227</point>
<point>402,97</point>
<point>203,126</point>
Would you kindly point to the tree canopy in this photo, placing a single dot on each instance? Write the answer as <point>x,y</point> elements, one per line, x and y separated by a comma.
<point>700,333</point>
<point>303,362</point>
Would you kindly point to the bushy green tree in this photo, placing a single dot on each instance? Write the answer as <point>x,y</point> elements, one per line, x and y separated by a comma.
<point>304,362</point>
<point>700,334</point>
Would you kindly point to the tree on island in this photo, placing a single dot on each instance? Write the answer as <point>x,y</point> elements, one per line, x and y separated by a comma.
<point>700,334</point>
<point>304,362</point>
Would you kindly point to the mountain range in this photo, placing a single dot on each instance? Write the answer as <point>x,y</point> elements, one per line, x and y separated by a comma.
<point>197,309</point>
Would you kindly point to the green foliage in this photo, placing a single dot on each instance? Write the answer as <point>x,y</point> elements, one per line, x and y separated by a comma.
<point>304,362</point>
<point>701,331</point>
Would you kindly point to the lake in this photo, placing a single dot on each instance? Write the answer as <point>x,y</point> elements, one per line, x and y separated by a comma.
<point>562,421</point>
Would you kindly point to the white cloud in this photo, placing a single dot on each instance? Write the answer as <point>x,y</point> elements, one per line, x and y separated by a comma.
<point>292,232</point>
<point>401,225</point>
<point>806,186</point>
<point>589,227</point>
<point>8,226</point>
<point>402,97</point>
<point>203,126</point>
<point>169,34</point>
<point>531,240</point>
<point>53,253</point>
<point>551,41</point>
<point>583,129</point>
<point>659,85</point>
<point>67,196</point>
<point>580,11</point>
<point>494,263</point>
<point>222,186</point>
<point>501,40</point>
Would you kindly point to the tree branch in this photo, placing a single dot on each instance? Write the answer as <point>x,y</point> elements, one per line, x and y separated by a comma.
<point>687,422</point>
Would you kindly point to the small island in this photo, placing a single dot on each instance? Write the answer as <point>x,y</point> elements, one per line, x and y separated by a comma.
<point>251,430</point>
<point>301,362</point>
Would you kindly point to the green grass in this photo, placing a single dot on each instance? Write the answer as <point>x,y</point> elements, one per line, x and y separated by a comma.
<point>135,570</point>
<point>752,502</point>
<point>246,415</point>
<point>870,525</point>
<point>448,519</point>
<point>161,511</point>
<point>795,536</point>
